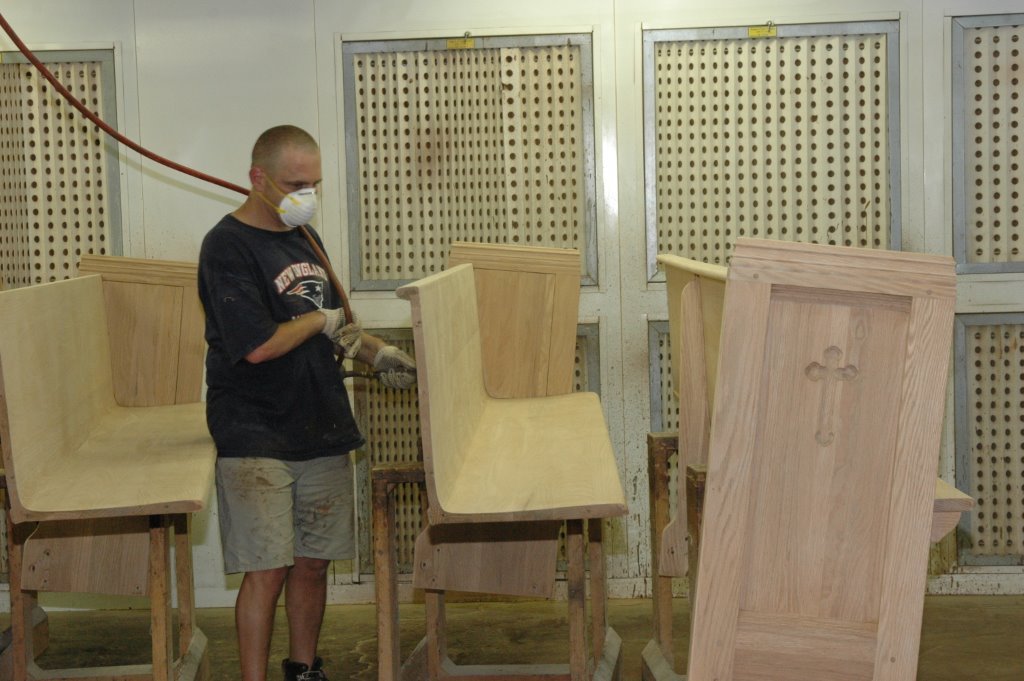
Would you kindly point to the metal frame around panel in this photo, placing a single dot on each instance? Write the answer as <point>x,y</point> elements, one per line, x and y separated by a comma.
<point>109,94</point>
<point>652,37</point>
<point>352,48</point>
<point>959,86</point>
<point>589,336</point>
<point>962,429</point>
<point>655,332</point>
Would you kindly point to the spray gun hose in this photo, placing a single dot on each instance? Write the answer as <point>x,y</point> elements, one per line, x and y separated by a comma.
<point>102,125</point>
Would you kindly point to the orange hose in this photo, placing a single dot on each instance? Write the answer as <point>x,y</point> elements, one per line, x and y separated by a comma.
<point>102,125</point>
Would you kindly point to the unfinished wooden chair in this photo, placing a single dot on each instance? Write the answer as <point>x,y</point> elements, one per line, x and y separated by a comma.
<point>696,294</point>
<point>527,303</point>
<point>105,450</point>
<point>497,460</point>
<point>821,492</point>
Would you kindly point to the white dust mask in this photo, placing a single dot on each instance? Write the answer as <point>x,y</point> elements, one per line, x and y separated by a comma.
<point>298,208</point>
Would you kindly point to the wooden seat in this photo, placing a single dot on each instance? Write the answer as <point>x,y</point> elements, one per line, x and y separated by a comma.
<point>96,483</point>
<point>507,463</point>
<point>821,494</point>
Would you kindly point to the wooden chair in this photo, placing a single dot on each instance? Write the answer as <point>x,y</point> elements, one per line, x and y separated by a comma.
<point>527,303</point>
<point>821,492</point>
<point>497,460</point>
<point>696,295</point>
<point>118,457</point>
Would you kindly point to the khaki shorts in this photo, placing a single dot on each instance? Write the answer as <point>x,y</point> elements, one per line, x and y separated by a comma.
<point>271,511</point>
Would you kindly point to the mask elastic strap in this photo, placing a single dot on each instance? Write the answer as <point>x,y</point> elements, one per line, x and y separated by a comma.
<point>278,209</point>
<point>268,201</point>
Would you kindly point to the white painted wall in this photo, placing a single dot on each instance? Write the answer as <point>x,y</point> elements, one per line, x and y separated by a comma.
<point>198,80</point>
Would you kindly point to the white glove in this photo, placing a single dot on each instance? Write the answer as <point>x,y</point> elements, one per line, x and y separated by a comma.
<point>349,337</point>
<point>395,368</point>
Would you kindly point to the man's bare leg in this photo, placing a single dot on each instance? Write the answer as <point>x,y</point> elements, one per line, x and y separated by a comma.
<point>305,600</point>
<point>254,619</point>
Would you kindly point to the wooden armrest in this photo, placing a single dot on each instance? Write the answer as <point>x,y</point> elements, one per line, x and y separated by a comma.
<point>546,458</point>
<point>949,498</point>
<point>136,461</point>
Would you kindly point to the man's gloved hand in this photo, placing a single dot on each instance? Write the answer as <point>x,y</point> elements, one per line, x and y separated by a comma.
<point>347,336</point>
<point>395,368</point>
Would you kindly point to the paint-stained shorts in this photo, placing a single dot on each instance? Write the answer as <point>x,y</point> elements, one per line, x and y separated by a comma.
<point>271,511</point>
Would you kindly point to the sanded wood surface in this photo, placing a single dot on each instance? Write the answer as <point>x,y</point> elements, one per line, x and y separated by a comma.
<point>527,302</point>
<point>69,450</point>
<point>155,324</point>
<point>155,332</point>
<point>696,294</point>
<point>821,469</point>
<point>103,479</point>
<point>489,459</point>
<point>949,504</point>
<point>509,453</point>
<point>527,306</point>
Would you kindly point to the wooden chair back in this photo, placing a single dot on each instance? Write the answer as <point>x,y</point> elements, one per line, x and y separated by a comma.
<point>527,306</point>
<point>36,369</point>
<point>696,295</point>
<point>452,395</point>
<point>155,322</point>
<point>490,459</point>
<point>821,468</point>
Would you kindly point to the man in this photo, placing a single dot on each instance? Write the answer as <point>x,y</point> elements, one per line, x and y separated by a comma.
<point>276,405</point>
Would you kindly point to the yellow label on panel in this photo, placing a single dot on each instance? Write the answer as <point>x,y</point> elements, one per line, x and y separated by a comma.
<point>762,32</point>
<point>461,43</point>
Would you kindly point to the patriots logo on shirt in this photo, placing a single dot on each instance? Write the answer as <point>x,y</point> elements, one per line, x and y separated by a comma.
<point>312,291</point>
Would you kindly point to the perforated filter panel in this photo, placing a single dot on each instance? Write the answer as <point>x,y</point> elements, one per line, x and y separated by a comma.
<point>994,374</point>
<point>482,145</point>
<point>992,173</point>
<point>784,138</point>
<point>53,174</point>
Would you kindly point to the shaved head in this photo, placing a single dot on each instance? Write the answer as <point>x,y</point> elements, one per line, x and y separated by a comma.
<point>267,151</point>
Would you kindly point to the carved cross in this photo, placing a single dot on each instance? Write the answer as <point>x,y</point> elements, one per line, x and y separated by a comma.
<point>829,373</point>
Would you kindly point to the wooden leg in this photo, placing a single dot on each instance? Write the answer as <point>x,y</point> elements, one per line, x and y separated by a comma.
<point>385,581</point>
<point>578,657</point>
<point>661,586</point>
<point>160,598</point>
<point>193,663</point>
<point>185,582</point>
<point>696,477</point>
<point>598,592</point>
<point>437,633</point>
<point>22,604</point>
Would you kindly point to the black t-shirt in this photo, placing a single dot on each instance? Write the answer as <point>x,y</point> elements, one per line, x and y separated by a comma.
<point>294,407</point>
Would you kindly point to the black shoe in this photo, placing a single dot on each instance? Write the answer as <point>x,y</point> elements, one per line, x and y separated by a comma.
<point>298,671</point>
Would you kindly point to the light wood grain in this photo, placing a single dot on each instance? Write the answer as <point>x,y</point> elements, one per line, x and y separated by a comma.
<point>488,459</point>
<point>156,325</point>
<point>821,468</point>
<point>527,303</point>
<point>499,329</point>
<point>64,437</point>
<point>103,479</point>
<point>696,293</point>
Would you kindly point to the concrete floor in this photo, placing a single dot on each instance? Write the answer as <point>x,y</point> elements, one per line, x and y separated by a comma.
<point>964,638</point>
